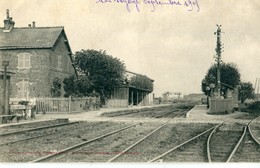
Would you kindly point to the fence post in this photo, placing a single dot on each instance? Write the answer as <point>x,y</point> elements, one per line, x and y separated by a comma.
<point>69,103</point>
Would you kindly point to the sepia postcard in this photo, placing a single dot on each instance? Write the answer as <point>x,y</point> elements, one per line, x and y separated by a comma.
<point>130,83</point>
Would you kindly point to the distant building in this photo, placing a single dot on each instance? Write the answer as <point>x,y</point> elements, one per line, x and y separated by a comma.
<point>172,97</point>
<point>37,56</point>
<point>195,97</point>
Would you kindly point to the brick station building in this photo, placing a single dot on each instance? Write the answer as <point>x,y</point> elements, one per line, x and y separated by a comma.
<point>37,56</point>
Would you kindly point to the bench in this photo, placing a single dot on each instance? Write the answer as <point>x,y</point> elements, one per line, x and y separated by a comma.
<point>7,118</point>
<point>18,110</point>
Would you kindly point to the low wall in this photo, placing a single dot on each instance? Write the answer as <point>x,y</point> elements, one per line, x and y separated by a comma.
<point>117,103</point>
<point>220,106</point>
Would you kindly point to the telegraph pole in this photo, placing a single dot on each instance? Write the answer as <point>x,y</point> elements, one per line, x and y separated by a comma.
<point>257,89</point>
<point>5,64</point>
<point>218,58</point>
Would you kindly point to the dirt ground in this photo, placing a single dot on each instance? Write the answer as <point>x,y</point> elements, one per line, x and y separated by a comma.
<point>58,138</point>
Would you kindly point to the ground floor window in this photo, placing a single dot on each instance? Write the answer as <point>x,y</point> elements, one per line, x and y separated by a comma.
<point>23,89</point>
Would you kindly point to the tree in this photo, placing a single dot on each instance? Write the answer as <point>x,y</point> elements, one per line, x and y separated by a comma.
<point>78,87</point>
<point>99,73</point>
<point>56,88</point>
<point>141,82</point>
<point>245,91</point>
<point>70,86</point>
<point>229,77</point>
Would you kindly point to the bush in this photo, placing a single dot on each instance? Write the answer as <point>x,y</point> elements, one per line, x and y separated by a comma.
<point>23,102</point>
<point>254,107</point>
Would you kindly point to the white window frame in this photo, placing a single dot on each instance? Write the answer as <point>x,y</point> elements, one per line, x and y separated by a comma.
<point>24,61</point>
<point>23,89</point>
<point>59,64</point>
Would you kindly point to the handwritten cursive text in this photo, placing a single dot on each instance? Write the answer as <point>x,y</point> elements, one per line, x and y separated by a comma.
<point>191,5</point>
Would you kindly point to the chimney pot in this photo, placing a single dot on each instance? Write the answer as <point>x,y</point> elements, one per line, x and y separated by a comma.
<point>7,13</point>
<point>29,25</point>
<point>33,24</point>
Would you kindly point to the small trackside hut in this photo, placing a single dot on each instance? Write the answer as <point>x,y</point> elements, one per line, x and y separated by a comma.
<point>128,95</point>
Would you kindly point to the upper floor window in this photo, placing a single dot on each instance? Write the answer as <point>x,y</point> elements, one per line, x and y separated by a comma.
<point>59,62</point>
<point>24,61</point>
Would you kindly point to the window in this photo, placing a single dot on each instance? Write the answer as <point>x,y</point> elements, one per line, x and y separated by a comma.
<point>59,63</point>
<point>1,60</point>
<point>24,61</point>
<point>23,89</point>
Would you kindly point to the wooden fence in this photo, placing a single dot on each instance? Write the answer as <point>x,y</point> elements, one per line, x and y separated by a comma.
<point>221,106</point>
<point>66,104</point>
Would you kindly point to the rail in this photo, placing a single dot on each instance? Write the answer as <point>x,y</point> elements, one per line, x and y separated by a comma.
<point>237,145</point>
<point>160,115</point>
<point>250,131</point>
<point>141,140</point>
<point>29,138</point>
<point>178,146</point>
<point>51,156</point>
<point>130,147</point>
<point>39,128</point>
<point>208,141</point>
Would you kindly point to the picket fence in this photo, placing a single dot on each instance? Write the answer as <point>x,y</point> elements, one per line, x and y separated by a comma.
<point>53,105</point>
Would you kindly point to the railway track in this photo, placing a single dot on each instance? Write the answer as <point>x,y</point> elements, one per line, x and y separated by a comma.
<point>194,148</point>
<point>31,136</point>
<point>136,143</point>
<point>248,147</point>
<point>156,112</point>
<point>26,150</point>
<point>171,114</point>
<point>80,148</point>
<point>79,145</point>
<point>164,113</point>
<point>48,132</point>
<point>136,111</point>
<point>33,124</point>
<point>35,129</point>
<point>235,146</point>
<point>220,143</point>
<point>145,140</point>
<point>247,151</point>
<point>194,145</point>
<point>52,126</point>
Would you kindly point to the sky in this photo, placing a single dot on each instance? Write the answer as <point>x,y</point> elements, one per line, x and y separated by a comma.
<point>172,44</point>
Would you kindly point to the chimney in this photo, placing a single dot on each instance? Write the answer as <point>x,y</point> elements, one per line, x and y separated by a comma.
<point>33,24</point>
<point>7,13</point>
<point>8,22</point>
<point>29,25</point>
